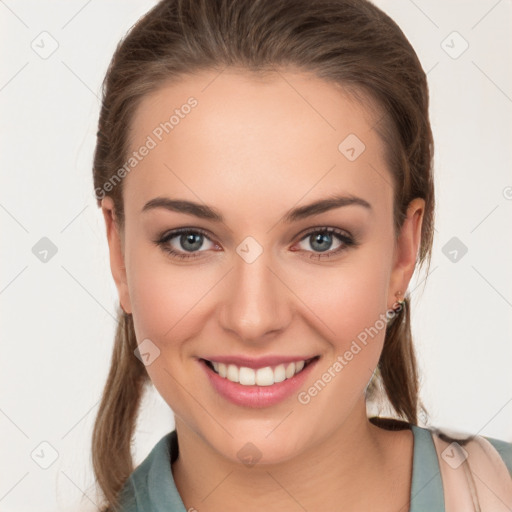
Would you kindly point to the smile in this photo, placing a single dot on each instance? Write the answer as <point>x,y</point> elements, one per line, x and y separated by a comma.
<point>266,376</point>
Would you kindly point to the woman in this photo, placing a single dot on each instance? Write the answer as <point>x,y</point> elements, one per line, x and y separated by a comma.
<point>265,173</point>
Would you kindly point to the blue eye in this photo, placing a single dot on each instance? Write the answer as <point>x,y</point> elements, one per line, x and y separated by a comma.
<point>322,240</point>
<point>189,241</point>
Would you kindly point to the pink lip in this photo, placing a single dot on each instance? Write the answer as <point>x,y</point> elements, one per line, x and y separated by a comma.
<point>257,362</point>
<point>256,396</point>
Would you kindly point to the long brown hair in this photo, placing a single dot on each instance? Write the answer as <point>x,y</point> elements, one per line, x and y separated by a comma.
<point>347,42</point>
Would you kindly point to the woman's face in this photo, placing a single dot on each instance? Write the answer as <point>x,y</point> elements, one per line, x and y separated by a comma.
<point>266,285</point>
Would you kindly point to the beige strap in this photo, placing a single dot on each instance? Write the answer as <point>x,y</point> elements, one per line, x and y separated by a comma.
<point>475,477</point>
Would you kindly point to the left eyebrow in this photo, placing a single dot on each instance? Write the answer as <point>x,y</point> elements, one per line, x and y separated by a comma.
<point>323,205</point>
<point>209,213</point>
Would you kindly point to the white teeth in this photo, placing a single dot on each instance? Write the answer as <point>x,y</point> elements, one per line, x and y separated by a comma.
<point>232,373</point>
<point>247,376</point>
<point>265,376</point>
<point>261,377</point>
<point>279,373</point>
<point>290,370</point>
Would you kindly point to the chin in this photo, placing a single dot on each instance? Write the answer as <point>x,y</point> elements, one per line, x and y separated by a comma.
<point>252,445</point>
<point>261,451</point>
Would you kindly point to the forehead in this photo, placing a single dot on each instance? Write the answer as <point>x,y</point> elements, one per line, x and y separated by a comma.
<point>269,139</point>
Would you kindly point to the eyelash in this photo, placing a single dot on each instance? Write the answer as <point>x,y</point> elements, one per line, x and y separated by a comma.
<point>347,240</point>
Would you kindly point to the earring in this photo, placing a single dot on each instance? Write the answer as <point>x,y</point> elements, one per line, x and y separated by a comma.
<point>395,308</point>
<point>400,300</point>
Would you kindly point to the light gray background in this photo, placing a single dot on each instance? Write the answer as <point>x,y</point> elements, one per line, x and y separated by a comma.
<point>58,317</point>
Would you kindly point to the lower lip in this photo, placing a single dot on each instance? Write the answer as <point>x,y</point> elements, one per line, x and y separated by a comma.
<point>257,396</point>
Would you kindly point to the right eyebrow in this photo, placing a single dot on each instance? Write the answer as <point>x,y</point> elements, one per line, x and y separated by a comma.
<point>184,206</point>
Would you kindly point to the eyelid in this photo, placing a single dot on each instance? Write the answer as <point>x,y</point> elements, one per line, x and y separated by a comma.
<point>346,239</point>
<point>324,228</point>
<point>166,236</point>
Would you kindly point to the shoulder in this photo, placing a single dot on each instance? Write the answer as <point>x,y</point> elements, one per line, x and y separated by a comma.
<point>474,469</point>
<point>504,448</point>
<point>484,449</point>
<point>453,470</point>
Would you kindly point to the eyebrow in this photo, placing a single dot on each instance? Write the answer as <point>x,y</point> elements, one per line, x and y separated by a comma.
<point>295,214</point>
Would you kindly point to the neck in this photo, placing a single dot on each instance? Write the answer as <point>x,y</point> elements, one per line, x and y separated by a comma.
<point>345,467</point>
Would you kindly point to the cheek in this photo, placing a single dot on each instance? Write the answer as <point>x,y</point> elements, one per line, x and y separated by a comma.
<point>155,303</point>
<point>168,308</point>
<point>168,300</point>
<point>349,302</point>
<point>347,299</point>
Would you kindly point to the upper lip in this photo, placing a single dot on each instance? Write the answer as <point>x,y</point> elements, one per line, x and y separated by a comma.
<point>257,362</point>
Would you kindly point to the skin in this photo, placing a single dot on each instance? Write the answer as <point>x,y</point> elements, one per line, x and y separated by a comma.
<point>254,148</point>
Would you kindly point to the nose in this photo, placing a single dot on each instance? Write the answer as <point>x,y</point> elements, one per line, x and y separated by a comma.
<point>257,304</point>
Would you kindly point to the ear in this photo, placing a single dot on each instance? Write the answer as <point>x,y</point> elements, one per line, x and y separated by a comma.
<point>115,244</point>
<point>406,249</point>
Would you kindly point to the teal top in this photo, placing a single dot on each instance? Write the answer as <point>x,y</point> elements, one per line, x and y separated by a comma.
<point>151,487</point>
